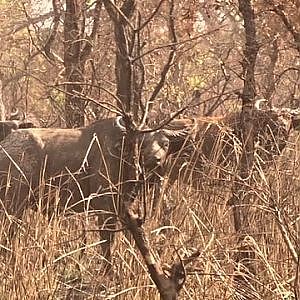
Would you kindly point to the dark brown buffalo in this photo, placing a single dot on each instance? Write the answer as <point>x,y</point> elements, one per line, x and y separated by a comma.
<point>7,127</point>
<point>214,143</point>
<point>80,165</point>
<point>15,121</point>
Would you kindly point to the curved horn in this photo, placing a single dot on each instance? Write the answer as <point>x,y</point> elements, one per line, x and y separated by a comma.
<point>14,113</point>
<point>120,123</point>
<point>259,102</point>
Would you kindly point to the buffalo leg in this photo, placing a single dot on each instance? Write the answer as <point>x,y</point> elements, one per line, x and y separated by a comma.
<point>107,227</point>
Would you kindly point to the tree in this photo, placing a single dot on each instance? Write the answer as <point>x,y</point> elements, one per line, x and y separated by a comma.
<point>75,54</point>
<point>245,256</point>
<point>149,59</point>
<point>74,105</point>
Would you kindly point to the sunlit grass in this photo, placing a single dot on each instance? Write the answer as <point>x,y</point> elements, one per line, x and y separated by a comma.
<point>45,260</point>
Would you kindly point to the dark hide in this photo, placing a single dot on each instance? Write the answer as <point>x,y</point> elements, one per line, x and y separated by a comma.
<point>80,165</point>
<point>216,142</point>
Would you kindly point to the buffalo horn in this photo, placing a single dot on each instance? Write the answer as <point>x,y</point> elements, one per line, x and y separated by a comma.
<point>14,113</point>
<point>120,123</point>
<point>259,102</point>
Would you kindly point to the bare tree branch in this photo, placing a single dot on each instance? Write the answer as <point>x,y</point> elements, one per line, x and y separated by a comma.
<point>168,286</point>
<point>279,11</point>
<point>53,33</point>
<point>171,57</point>
<point>152,15</point>
<point>96,21</point>
<point>29,21</point>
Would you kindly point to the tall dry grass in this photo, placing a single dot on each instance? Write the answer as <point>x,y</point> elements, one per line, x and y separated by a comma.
<point>45,261</point>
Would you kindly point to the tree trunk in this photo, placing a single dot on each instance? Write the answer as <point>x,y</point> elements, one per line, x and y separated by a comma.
<point>74,105</point>
<point>241,196</point>
<point>2,107</point>
<point>124,51</point>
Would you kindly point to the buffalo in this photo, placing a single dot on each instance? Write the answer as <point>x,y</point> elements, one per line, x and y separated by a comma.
<point>208,142</point>
<point>80,165</point>
<point>15,121</point>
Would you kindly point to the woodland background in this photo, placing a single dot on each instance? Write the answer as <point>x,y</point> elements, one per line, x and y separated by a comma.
<point>59,60</point>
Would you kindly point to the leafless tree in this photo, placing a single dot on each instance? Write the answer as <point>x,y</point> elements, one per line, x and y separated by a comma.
<point>241,200</point>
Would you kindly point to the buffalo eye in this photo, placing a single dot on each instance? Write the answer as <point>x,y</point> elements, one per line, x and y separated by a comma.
<point>165,144</point>
<point>118,146</point>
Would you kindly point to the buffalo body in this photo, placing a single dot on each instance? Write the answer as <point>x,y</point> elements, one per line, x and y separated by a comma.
<point>81,165</point>
<point>214,143</point>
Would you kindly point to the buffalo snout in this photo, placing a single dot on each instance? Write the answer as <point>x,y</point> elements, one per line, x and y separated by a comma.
<point>154,149</point>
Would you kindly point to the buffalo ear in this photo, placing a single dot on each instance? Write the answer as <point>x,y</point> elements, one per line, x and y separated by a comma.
<point>3,127</point>
<point>177,139</point>
<point>26,125</point>
<point>5,130</point>
<point>8,125</point>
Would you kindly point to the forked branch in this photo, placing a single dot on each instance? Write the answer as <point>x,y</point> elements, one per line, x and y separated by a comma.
<point>170,285</point>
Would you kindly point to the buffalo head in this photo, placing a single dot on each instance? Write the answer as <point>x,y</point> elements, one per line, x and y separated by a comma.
<point>14,121</point>
<point>272,128</point>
